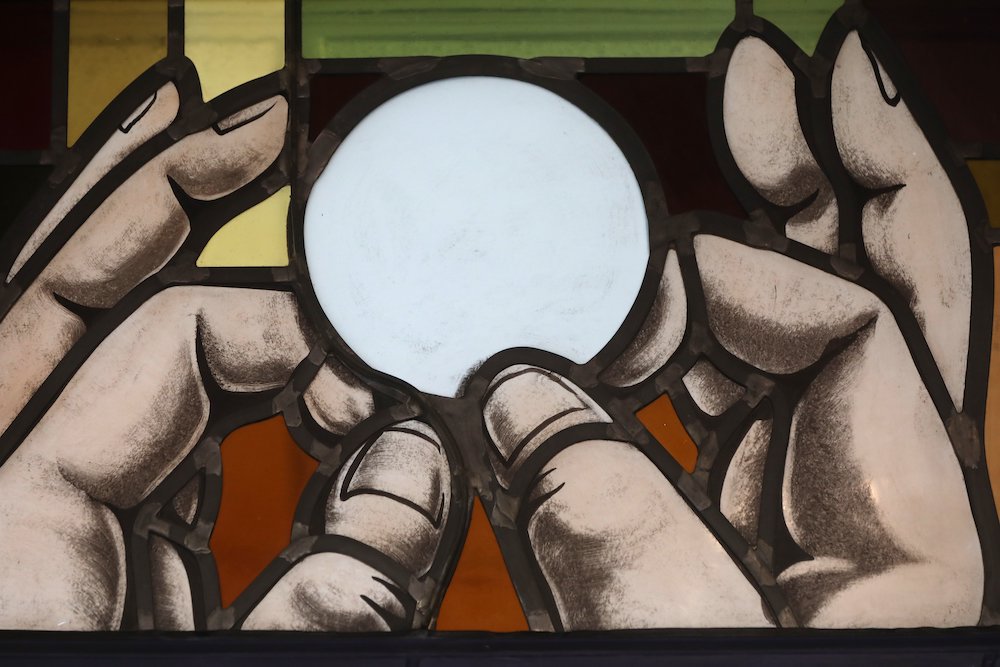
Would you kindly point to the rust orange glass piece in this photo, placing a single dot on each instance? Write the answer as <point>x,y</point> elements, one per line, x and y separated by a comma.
<point>661,420</point>
<point>481,595</point>
<point>263,475</point>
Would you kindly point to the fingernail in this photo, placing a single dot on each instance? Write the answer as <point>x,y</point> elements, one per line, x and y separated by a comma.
<point>244,116</point>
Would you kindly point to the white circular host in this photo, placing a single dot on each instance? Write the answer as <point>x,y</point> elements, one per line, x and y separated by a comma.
<point>470,215</point>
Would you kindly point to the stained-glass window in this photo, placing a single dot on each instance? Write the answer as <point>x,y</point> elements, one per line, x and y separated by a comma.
<point>391,317</point>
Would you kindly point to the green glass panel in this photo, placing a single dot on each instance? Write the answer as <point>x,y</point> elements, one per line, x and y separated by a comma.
<point>802,20</point>
<point>520,28</point>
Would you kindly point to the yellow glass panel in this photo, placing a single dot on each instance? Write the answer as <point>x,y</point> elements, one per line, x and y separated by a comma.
<point>233,42</point>
<point>987,175</point>
<point>111,42</point>
<point>256,237</point>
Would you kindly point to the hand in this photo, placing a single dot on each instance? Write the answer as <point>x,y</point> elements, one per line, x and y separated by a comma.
<point>123,364</point>
<point>827,357</point>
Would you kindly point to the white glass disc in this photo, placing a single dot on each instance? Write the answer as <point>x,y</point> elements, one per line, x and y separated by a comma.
<point>469,215</point>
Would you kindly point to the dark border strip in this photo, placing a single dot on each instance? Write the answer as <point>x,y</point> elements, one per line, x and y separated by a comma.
<point>175,28</point>
<point>60,77</point>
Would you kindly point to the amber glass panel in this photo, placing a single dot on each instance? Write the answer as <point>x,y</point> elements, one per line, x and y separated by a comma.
<point>111,42</point>
<point>263,475</point>
<point>481,595</point>
<point>992,435</point>
<point>987,175</point>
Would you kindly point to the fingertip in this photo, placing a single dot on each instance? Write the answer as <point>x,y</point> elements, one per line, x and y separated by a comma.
<point>337,399</point>
<point>761,120</point>
<point>231,153</point>
<point>874,130</point>
<point>394,494</point>
<point>270,110</point>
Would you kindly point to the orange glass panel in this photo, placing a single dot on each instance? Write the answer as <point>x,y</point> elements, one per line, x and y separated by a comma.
<point>662,422</point>
<point>481,595</point>
<point>263,475</point>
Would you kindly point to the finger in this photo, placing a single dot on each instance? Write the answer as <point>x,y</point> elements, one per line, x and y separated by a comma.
<point>740,499</point>
<point>872,489</point>
<point>609,516</point>
<point>173,607</point>
<point>766,140</point>
<point>774,312</point>
<point>132,234</point>
<point>616,544</point>
<point>915,232</point>
<point>329,592</point>
<point>660,335</point>
<point>134,410</point>
<point>392,495</point>
<point>139,226</point>
<point>151,117</point>
<point>333,408</point>
<point>526,405</point>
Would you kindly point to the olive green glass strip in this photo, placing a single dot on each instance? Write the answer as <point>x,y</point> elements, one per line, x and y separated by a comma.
<point>987,175</point>
<point>111,42</point>
<point>802,20</point>
<point>519,28</point>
